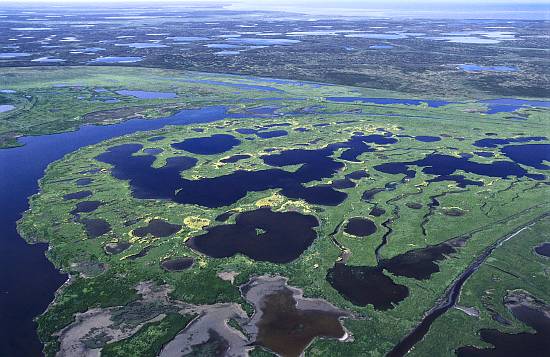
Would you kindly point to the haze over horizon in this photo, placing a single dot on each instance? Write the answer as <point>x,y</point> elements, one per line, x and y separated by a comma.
<point>467,9</point>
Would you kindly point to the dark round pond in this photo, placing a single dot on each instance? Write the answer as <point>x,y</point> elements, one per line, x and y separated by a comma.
<point>263,235</point>
<point>209,145</point>
<point>360,227</point>
<point>157,228</point>
<point>177,263</point>
<point>543,249</point>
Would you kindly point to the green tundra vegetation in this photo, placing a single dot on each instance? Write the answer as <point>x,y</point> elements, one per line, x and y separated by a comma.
<point>103,234</point>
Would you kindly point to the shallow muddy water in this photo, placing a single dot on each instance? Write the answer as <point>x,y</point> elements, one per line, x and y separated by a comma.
<point>287,330</point>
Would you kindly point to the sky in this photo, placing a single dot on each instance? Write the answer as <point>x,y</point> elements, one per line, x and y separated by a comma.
<point>387,8</point>
<point>331,3</point>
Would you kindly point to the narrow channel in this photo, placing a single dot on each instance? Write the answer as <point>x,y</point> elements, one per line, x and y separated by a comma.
<point>451,295</point>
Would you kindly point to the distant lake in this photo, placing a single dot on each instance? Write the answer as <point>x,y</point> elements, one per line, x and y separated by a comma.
<point>10,55</point>
<point>222,45</point>
<point>147,95</point>
<point>477,68</point>
<point>114,59</point>
<point>382,36</point>
<point>141,45</point>
<point>48,60</point>
<point>384,101</point>
<point>380,47</point>
<point>187,39</point>
<point>227,53</point>
<point>6,108</point>
<point>465,39</point>
<point>263,41</point>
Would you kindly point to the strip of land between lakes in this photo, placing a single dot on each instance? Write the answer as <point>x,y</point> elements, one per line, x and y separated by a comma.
<point>452,293</point>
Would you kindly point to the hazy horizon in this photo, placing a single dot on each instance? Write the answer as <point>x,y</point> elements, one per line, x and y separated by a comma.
<point>466,9</point>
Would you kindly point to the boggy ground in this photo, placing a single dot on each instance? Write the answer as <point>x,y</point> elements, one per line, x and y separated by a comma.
<point>425,55</point>
<point>147,193</point>
<point>284,322</point>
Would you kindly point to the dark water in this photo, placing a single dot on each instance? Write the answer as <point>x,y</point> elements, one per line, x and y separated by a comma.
<point>210,145</point>
<point>263,235</point>
<point>484,153</point>
<point>140,94</point>
<point>146,182</point>
<point>506,105</point>
<point>534,315</point>
<point>287,330</point>
<point>77,195</point>
<point>414,205</point>
<point>357,175</point>
<point>235,158</point>
<point>377,212</point>
<point>271,134</point>
<point>364,285</point>
<point>246,131</point>
<point>358,144</point>
<point>532,155</point>
<point>95,227</point>
<point>420,263</point>
<point>157,228</point>
<point>460,180</point>
<point>224,216</point>
<point>543,249</point>
<point>360,227</point>
<point>369,194</point>
<point>342,184</point>
<point>85,207</point>
<point>264,134</point>
<point>27,279</point>
<point>177,264</point>
<point>451,296</point>
<point>427,139</point>
<point>84,182</point>
<point>478,68</point>
<point>149,182</point>
<point>495,142</point>
<point>152,151</point>
<point>446,165</point>
<point>431,103</point>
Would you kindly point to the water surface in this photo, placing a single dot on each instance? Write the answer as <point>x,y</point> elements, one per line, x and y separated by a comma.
<point>147,94</point>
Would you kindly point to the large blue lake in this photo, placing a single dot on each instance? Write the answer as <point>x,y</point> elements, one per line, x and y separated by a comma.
<point>28,280</point>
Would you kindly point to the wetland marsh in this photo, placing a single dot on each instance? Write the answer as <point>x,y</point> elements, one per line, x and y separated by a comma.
<point>383,192</point>
<point>206,210</point>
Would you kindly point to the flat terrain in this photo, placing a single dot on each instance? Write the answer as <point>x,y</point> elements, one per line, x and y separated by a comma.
<point>304,211</point>
<point>469,58</point>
